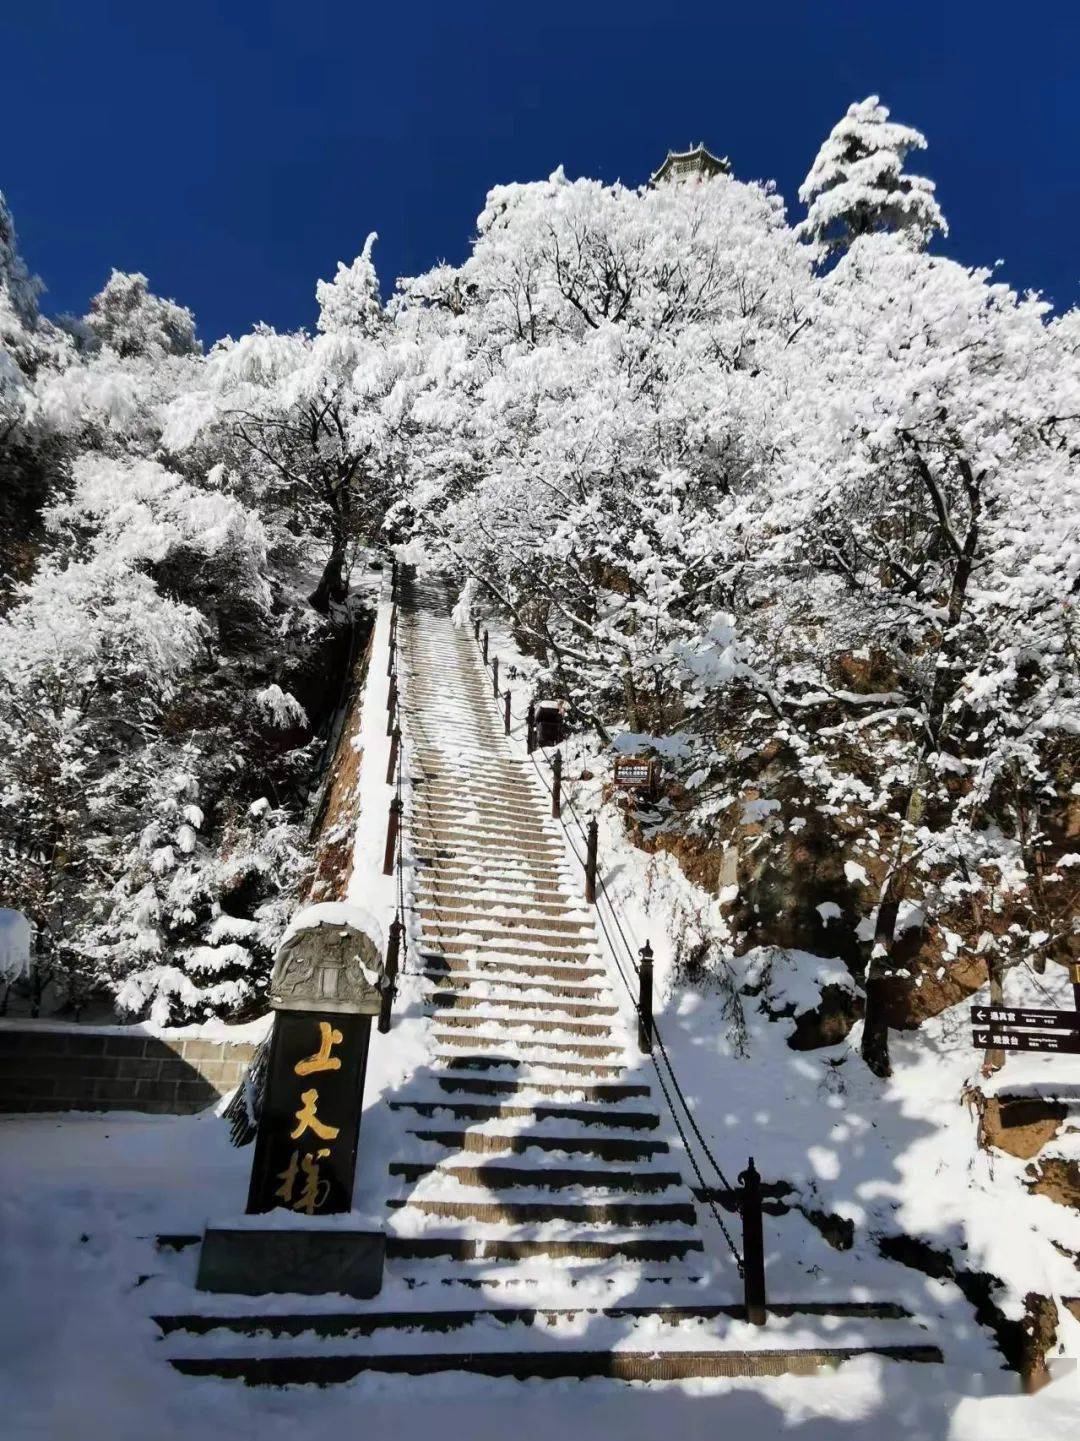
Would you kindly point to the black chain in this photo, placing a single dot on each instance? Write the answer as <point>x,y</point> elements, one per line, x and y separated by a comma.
<point>635,1002</point>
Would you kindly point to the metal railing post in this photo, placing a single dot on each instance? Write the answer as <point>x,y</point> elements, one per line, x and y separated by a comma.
<point>476,629</point>
<point>495,676</point>
<point>395,746</point>
<point>506,711</point>
<point>556,784</point>
<point>530,728</point>
<point>392,824</point>
<point>391,705</point>
<point>753,1246</point>
<point>393,652</point>
<point>390,972</point>
<point>590,862</point>
<point>484,645</point>
<point>645,985</point>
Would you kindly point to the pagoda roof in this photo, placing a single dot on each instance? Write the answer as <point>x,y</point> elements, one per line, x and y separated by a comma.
<point>696,161</point>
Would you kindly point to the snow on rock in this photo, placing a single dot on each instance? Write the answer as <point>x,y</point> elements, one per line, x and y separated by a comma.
<point>337,913</point>
<point>16,938</point>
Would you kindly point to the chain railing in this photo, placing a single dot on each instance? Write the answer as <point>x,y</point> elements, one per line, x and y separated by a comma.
<point>747,1195</point>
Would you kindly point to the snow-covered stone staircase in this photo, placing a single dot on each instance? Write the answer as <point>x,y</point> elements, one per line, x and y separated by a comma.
<point>539,1221</point>
<point>534,1139</point>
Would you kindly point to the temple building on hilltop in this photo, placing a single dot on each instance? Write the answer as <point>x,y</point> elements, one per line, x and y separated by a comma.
<point>696,164</point>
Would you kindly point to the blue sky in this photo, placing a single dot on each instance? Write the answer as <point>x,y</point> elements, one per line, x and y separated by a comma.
<point>235,151</point>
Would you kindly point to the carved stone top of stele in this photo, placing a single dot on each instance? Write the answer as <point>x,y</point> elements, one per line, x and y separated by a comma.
<point>330,960</point>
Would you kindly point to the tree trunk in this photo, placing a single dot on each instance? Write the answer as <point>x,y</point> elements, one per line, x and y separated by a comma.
<point>875,1036</point>
<point>995,1056</point>
<point>332,588</point>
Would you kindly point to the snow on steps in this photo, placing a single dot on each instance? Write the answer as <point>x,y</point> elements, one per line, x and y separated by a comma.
<point>624,1342</point>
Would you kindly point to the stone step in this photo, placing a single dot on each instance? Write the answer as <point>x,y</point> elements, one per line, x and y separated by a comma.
<point>506,804</point>
<point>532,837</point>
<point>528,877</point>
<point>486,1042</point>
<point>562,952</point>
<point>453,980</point>
<point>511,1065</point>
<point>508,810</point>
<point>501,1111</point>
<point>491,936</point>
<point>495,1178</point>
<point>494,1087</point>
<point>456,759</point>
<point>520,1143</point>
<point>471,914</point>
<point>513,1025</point>
<point>622,1365</point>
<point>453,1001</point>
<point>520,969</point>
<point>469,1248</point>
<point>502,815</point>
<point>466,889</point>
<point>512,791</point>
<point>527,1213</point>
<point>509,839</point>
<point>368,1323</point>
<point>479,895</point>
<point>448,846</point>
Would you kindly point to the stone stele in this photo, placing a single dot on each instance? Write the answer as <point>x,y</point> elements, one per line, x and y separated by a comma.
<point>328,967</point>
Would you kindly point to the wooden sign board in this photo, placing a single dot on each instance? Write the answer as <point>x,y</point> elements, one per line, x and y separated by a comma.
<point>1011,1017</point>
<point>635,773</point>
<point>999,1040</point>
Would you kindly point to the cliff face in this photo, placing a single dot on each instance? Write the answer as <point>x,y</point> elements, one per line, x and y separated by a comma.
<point>335,819</point>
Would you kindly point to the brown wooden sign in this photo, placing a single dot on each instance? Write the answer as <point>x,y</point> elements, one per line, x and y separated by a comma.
<point>999,1040</point>
<point>1026,1017</point>
<point>635,773</point>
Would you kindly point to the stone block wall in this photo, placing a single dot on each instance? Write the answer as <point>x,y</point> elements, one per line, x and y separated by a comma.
<point>45,1067</point>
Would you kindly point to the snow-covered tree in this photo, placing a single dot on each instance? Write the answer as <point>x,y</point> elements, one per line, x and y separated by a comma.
<point>351,303</point>
<point>311,421</point>
<point>128,318</point>
<point>857,184</point>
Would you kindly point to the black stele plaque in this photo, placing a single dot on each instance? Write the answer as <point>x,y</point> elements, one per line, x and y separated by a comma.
<point>999,1040</point>
<point>305,1148</point>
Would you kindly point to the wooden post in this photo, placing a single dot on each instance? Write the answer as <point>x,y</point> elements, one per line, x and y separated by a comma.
<point>530,728</point>
<point>753,1246</point>
<point>392,825</point>
<point>476,629</point>
<point>393,653</point>
<point>590,862</point>
<point>395,746</point>
<point>495,676</point>
<point>645,1021</point>
<point>506,711</point>
<point>556,785</point>
<point>391,705</point>
<point>393,944</point>
<point>394,578</point>
<point>484,645</point>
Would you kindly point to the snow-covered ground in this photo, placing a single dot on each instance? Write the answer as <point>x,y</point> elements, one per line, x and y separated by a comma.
<point>82,1199</point>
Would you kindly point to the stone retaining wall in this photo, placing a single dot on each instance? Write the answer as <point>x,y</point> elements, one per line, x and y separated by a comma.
<point>50,1068</point>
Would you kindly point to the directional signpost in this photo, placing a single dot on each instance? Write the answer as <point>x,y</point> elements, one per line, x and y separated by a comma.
<point>1010,1017</point>
<point>1028,1028</point>
<point>1067,1041</point>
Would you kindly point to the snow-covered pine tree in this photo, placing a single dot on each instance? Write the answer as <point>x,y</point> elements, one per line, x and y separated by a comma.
<point>857,184</point>
<point>128,318</point>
